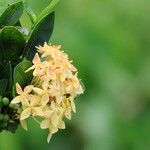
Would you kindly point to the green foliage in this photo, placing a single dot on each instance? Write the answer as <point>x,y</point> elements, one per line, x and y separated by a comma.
<point>3,86</point>
<point>12,14</point>
<point>12,44</point>
<point>6,72</point>
<point>15,44</point>
<point>41,33</point>
<point>17,49</point>
<point>3,5</point>
<point>30,12</point>
<point>47,10</point>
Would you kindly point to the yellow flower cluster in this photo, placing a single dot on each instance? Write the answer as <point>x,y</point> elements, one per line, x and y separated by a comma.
<point>51,94</point>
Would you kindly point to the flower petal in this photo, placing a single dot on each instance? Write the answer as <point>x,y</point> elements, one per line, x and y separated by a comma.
<point>73,106</point>
<point>68,114</point>
<point>18,89</point>
<point>37,111</point>
<point>25,114</point>
<point>45,99</point>
<point>49,137</point>
<point>48,113</point>
<point>62,125</point>
<point>36,59</point>
<point>53,129</point>
<point>24,124</point>
<point>55,119</point>
<point>16,100</point>
<point>59,98</point>
<point>45,84</point>
<point>29,69</point>
<point>28,89</point>
<point>38,91</point>
<point>45,124</point>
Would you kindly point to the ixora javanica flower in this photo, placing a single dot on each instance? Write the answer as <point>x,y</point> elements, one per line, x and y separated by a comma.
<point>50,96</point>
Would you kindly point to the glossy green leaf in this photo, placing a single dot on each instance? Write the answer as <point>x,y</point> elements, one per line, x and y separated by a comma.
<point>12,14</point>
<point>47,10</point>
<point>19,74</point>
<point>12,43</point>
<point>3,86</point>
<point>41,33</point>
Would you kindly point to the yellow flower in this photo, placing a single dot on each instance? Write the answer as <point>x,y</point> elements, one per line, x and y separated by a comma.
<point>73,85</point>
<point>43,92</point>
<point>47,50</point>
<point>23,94</point>
<point>38,66</point>
<point>54,87</point>
<point>53,122</point>
<point>32,108</point>
<point>67,108</point>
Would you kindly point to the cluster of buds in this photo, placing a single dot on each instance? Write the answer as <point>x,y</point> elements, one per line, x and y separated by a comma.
<point>50,96</point>
<point>8,116</point>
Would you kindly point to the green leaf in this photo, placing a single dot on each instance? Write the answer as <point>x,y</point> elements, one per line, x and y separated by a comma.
<point>29,11</point>
<point>3,73</point>
<point>12,14</point>
<point>20,76</point>
<point>6,72</point>
<point>18,24</point>
<point>47,10</point>
<point>3,86</point>
<point>3,5</point>
<point>12,43</point>
<point>41,33</point>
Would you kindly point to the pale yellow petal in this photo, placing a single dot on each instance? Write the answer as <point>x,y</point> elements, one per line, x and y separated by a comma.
<point>25,102</point>
<point>29,69</point>
<point>45,84</point>
<point>25,114</point>
<point>53,129</point>
<point>37,111</point>
<point>28,89</point>
<point>48,113</point>
<point>62,125</point>
<point>38,91</point>
<point>16,100</point>
<point>55,119</point>
<point>24,124</point>
<point>52,105</point>
<point>18,89</point>
<point>45,124</point>
<point>36,59</point>
<point>73,106</point>
<point>59,98</point>
<point>34,100</point>
<point>49,137</point>
<point>45,99</point>
<point>68,114</point>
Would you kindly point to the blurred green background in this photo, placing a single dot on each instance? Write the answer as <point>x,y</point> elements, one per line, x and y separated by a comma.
<point>109,42</point>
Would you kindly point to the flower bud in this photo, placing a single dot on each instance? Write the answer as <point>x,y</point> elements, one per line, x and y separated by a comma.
<point>13,106</point>
<point>6,117</point>
<point>4,124</point>
<point>5,101</point>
